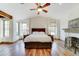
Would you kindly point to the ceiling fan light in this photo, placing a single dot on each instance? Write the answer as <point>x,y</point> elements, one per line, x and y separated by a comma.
<point>39,9</point>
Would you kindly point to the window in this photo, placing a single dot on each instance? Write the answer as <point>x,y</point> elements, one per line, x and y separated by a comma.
<point>6,28</point>
<point>17,29</point>
<point>1,28</point>
<point>52,28</point>
<point>23,28</point>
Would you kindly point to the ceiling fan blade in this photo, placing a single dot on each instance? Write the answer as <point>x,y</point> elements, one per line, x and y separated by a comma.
<point>47,4</point>
<point>21,3</point>
<point>37,4</point>
<point>32,9</point>
<point>38,13</point>
<point>45,11</point>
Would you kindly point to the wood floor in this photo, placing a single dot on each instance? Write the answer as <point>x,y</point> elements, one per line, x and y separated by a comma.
<point>38,52</point>
<point>17,49</point>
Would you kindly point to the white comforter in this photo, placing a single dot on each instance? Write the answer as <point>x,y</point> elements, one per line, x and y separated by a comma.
<point>40,37</point>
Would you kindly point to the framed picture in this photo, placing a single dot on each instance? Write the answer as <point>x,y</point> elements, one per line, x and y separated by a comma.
<point>74,23</point>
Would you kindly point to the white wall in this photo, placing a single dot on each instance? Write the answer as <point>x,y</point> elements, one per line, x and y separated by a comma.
<point>63,24</point>
<point>39,22</point>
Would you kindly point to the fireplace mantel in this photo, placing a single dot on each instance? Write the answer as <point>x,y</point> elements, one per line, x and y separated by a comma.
<point>72,30</point>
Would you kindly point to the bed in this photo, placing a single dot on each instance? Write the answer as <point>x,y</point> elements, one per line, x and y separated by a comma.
<point>38,39</point>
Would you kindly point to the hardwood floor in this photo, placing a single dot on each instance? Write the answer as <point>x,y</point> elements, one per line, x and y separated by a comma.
<point>17,49</point>
<point>38,52</point>
<point>57,50</point>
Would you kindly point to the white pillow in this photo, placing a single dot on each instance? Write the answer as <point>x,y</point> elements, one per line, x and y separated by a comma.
<point>38,33</point>
<point>35,32</point>
<point>41,32</point>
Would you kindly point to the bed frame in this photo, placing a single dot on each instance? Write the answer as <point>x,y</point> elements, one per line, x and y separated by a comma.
<point>36,45</point>
<point>38,30</point>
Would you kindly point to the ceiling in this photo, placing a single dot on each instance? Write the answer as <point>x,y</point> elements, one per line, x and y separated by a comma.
<point>55,10</point>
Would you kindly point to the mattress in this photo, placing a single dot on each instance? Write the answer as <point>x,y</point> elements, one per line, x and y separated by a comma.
<point>38,37</point>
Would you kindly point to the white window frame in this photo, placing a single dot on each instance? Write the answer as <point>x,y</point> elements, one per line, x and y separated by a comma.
<point>18,28</point>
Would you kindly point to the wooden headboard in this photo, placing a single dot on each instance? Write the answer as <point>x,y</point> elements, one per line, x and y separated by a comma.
<point>38,29</point>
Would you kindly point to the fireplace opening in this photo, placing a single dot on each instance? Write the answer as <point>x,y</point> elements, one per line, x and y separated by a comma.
<point>72,42</point>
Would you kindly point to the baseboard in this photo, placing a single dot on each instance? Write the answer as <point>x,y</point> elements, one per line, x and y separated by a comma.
<point>57,38</point>
<point>9,42</point>
<point>6,42</point>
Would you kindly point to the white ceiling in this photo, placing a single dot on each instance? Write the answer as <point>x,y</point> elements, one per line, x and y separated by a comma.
<point>56,11</point>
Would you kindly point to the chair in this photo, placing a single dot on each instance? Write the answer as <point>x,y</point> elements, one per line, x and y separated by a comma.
<point>76,45</point>
<point>68,42</point>
<point>72,42</point>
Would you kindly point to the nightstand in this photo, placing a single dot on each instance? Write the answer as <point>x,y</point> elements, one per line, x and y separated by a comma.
<point>25,35</point>
<point>51,37</point>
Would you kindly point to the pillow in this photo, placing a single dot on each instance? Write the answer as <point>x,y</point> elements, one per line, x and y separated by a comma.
<point>35,32</point>
<point>42,32</point>
<point>39,33</point>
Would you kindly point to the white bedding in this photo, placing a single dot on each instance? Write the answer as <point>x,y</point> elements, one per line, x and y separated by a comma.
<point>38,37</point>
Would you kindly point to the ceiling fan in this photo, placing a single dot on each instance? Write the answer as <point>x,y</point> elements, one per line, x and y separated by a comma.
<point>40,8</point>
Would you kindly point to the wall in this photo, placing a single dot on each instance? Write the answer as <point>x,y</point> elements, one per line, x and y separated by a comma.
<point>39,22</point>
<point>63,24</point>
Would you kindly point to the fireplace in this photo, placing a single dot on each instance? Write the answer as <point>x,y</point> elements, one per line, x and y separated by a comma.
<point>72,34</point>
<point>72,42</point>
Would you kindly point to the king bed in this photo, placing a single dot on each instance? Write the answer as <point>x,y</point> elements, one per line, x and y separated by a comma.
<point>38,39</point>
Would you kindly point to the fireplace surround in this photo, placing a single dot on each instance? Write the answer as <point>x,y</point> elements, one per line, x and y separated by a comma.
<point>72,34</point>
